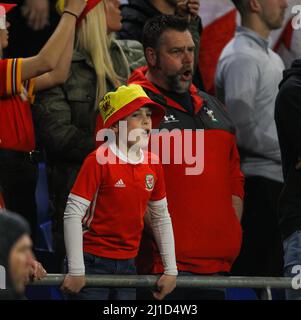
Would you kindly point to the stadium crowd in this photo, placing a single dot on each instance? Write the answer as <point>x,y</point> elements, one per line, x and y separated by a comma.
<point>95,89</point>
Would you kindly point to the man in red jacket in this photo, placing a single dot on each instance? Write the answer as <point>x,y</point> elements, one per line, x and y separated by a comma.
<point>205,204</point>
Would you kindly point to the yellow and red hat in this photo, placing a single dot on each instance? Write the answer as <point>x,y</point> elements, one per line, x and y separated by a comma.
<point>4,9</point>
<point>121,103</point>
<point>60,5</point>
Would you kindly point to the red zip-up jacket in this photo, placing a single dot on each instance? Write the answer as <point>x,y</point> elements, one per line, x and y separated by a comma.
<point>207,231</point>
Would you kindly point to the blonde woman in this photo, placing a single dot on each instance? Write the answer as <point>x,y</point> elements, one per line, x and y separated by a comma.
<point>65,116</point>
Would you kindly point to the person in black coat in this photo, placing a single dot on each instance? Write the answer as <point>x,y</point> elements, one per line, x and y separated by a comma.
<point>17,263</point>
<point>15,247</point>
<point>288,121</point>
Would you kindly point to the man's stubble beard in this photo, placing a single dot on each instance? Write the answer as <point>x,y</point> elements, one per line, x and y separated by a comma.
<point>273,25</point>
<point>173,82</point>
<point>176,85</point>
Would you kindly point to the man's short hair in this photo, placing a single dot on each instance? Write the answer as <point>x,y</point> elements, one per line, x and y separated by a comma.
<point>155,27</point>
<point>241,5</point>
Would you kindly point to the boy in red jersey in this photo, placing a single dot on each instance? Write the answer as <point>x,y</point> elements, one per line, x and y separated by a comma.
<point>109,199</point>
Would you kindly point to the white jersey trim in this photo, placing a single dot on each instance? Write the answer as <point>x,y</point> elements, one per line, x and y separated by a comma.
<point>79,199</point>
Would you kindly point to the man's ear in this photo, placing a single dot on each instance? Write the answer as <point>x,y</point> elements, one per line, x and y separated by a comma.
<point>255,6</point>
<point>151,56</point>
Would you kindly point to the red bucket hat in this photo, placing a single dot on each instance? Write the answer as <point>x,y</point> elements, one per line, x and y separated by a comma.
<point>119,104</point>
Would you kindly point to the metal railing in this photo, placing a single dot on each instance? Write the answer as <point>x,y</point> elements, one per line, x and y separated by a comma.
<point>148,281</point>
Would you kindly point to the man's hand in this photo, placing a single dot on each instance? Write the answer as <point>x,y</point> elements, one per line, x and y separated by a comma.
<point>36,12</point>
<point>194,7</point>
<point>37,271</point>
<point>165,285</point>
<point>73,284</point>
<point>188,8</point>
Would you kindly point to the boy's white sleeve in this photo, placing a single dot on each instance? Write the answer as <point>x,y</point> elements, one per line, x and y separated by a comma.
<point>75,211</point>
<point>163,233</point>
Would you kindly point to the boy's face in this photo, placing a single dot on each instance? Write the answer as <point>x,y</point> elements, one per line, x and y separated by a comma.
<point>139,125</point>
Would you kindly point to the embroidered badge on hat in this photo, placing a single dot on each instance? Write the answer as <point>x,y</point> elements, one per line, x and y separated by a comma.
<point>107,109</point>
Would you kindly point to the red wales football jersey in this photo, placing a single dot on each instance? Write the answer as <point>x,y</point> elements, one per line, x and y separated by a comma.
<point>117,196</point>
<point>16,126</point>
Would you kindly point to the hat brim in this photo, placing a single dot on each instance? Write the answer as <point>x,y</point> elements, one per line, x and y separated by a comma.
<point>158,112</point>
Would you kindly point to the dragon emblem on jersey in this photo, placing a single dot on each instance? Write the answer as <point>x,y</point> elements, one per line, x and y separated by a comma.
<point>210,114</point>
<point>149,182</point>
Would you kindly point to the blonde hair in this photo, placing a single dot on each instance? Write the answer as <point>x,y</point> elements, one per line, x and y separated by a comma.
<point>92,38</point>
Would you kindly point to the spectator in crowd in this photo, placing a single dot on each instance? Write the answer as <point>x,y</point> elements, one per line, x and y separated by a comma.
<point>121,201</point>
<point>137,12</point>
<point>16,256</point>
<point>32,24</point>
<point>247,79</point>
<point>65,116</point>
<point>206,204</point>
<point>288,120</point>
<point>19,80</point>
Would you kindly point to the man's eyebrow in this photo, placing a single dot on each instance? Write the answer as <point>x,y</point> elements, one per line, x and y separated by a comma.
<point>183,47</point>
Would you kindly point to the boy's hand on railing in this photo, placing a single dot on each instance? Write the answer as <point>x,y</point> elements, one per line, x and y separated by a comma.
<point>165,285</point>
<point>73,284</point>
